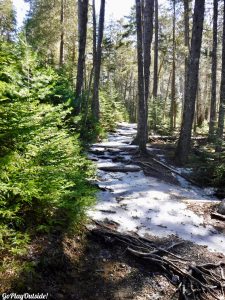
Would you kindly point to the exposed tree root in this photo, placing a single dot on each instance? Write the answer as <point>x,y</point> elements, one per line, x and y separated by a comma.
<point>193,281</point>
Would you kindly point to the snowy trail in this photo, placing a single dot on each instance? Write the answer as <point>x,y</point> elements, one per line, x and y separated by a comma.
<point>146,205</point>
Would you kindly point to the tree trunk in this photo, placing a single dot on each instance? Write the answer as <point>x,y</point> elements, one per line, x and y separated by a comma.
<point>199,107</point>
<point>94,31</point>
<point>212,121</point>
<point>186,39</point>
<point>82,31</point>
<point>97,63</point>
<point>183,147</point>
<point>173,82</point>
<point>222,92</point>
<point>88,97</point>
<point>148,33</point>
<point>142,126</point>
<point>165,101</point>
<point>61,50</point>
<point>73,58</point>
<point>144,17</point>
<point>155,80</point>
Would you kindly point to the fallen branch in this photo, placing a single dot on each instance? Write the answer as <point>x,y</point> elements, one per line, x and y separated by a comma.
<point>146,165</point>
<point>193,281</point>
<point>218,216</point>
<point>176,172</point>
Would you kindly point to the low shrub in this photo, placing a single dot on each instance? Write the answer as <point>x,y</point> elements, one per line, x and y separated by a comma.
<point>44,177</point>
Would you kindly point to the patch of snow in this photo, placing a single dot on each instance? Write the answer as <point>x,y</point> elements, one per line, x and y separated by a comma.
<point>146,205</point>
<point>149,148</point>
<point>183,170</point>
<point>210,191</point>
<point>115,144</point>
<point>107,163</point>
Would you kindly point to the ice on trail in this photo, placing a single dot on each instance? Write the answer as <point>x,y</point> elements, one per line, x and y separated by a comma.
<point>146,205</point>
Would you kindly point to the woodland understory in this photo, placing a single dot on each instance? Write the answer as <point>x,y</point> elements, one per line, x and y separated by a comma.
<point>71,78</point>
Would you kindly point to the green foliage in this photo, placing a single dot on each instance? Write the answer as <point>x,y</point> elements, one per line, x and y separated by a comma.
<point>219,175</point>
<point>63,90</point>
<point>7,20</point>
<point>89,129</point>
<point>43,174</point>
<point>43,29</point>
<point>208,163</point>
<point>112,109</point>
<point>157,116</point>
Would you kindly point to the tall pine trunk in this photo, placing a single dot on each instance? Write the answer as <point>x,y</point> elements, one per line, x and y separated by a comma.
<point>94,35</point>
<point>144,19</point>
<point>186,40</point>
<point>173,82</point>
<point>61,50</point>
<point>148,33</point>
<point>156,50</point>
<point>97,63</point>
<point>142,125</point>
<point>184,142</point>
<point>222,92</point>
<point>82,31</point>
<point>212,121</point>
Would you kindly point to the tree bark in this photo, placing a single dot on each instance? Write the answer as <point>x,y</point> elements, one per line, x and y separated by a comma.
<point>94,31</point>
<point>142,126</point>
<point>148,33</point>
<point>183,147</point>
<point>144,18</point>
<point>73,57</point>
<point>212,121</point>
<point>165,101</point>
<point>82,31</point>
<point>61,50</point>
<point>155,79</point>
<point>186,39</point>
<point>173,82</point>
<point>97,63</point>
<point>222,92</point>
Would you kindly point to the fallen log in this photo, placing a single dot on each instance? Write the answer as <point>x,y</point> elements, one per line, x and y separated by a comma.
<point>105,156</point>
<point>93,158</point>
<point>176,172</point>
<point>218,216</point>
<point>174,138</point>
<point>110,145</point>
<point>123,169</point>
<point>193,281</point>
<point>153,138</point>
<point>107,211</point>
<point>97,151</point>
<point>147,165</point>
<point>113,151</point>
<point>121,159</point>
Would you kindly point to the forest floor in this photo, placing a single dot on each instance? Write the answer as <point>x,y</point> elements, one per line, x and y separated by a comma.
<point>138,196</point>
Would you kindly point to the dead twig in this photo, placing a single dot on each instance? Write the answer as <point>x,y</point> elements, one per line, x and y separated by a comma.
<point>194,281</point>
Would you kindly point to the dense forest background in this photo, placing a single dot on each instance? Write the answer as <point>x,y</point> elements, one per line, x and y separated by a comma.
<point>68,76</point>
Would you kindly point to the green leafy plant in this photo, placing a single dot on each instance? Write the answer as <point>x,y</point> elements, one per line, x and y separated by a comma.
<point>44,177</point>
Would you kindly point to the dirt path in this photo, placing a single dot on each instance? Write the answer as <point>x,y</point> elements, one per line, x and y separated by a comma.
<point>145,205</point>
<point>85,266</point>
